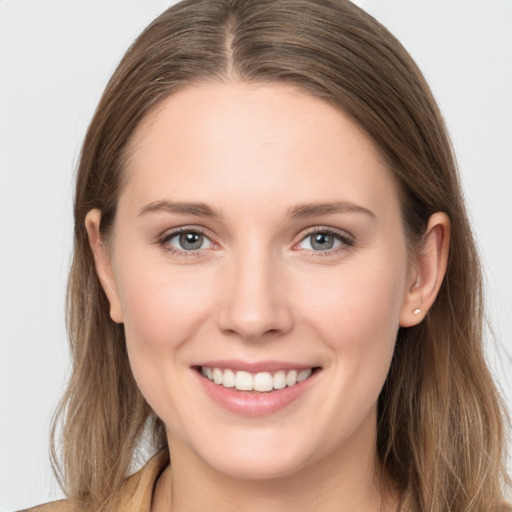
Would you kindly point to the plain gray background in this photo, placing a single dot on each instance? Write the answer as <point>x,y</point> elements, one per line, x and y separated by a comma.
<point>55,58</point>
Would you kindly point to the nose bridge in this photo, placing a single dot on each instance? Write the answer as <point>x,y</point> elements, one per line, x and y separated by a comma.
<point>255,303</point>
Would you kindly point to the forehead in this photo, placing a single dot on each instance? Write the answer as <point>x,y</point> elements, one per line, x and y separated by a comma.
<point>269,142</point>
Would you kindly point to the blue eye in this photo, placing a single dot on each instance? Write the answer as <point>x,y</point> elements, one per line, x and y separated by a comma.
<point>321,241</point>
<point>188,240</point>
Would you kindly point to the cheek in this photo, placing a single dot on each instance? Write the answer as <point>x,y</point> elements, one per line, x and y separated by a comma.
<point>357,298</point>
<point>163,307</point>
<point>357,317</point>
<point>163,311</point>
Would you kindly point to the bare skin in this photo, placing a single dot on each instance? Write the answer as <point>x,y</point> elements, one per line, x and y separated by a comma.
<point>257,225</point>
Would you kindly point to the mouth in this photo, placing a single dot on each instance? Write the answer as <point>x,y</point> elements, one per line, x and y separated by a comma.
<point>256,389</point>
<point>259,382</point>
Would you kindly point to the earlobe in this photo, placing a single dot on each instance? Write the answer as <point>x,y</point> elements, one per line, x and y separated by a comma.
<point>428,270</point>
<point>103,264</point>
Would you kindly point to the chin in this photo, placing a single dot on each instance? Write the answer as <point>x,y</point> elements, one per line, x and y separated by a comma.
<point>258,468</point>
<point>269,457</point>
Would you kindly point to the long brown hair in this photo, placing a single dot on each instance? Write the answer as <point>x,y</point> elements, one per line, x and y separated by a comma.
<point>440,426</point>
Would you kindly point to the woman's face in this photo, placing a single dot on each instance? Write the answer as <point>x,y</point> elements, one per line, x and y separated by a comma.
<point>258,239</point>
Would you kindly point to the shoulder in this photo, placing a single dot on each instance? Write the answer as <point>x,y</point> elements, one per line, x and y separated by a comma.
<point>135,494</point>
<point>54,506</point>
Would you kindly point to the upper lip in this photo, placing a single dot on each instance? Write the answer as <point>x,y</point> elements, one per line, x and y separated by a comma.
<point>254,366</point>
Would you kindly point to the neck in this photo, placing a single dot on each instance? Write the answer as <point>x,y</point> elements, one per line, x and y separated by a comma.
<point>347,479</point>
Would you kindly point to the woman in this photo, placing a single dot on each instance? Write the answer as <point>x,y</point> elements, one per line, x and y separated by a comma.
<point>274,274</point>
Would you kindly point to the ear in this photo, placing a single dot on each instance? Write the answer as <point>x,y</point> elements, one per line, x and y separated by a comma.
<point>103,263</point>
<point>427,270</point>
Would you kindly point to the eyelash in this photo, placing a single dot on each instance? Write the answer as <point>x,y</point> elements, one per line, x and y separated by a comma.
<point>346,241</point>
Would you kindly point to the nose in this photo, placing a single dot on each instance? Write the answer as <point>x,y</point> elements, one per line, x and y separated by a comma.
<point>254,303</point>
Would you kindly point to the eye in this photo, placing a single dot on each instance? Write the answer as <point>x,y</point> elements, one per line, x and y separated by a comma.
<point>324,240</point>
<point>187,240</point>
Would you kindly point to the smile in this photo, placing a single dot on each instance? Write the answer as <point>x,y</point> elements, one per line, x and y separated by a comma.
<point>262,382</point>
<point>255,389</point>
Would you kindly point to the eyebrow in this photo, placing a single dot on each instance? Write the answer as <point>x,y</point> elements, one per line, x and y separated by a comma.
<point>303,211</point>
<point>187,208</point>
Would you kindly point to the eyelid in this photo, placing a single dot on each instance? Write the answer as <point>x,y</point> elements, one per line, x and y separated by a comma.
<point>168,233</point>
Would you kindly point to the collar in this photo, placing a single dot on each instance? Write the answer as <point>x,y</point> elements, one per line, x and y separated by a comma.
<point>137,492</point>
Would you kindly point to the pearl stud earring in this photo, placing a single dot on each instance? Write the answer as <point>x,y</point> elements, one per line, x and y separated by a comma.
<point>417,311</point>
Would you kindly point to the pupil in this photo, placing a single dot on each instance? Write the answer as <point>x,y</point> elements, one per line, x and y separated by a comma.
<point>191,241</point>
<point>322,241</point>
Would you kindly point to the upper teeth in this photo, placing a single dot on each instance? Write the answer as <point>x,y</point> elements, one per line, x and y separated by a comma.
<point>262,381</point>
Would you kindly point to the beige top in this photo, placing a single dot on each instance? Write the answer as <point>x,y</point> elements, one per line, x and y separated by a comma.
<point>135,495</point>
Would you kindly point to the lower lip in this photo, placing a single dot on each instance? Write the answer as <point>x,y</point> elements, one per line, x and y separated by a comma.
<point>251,403</point>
